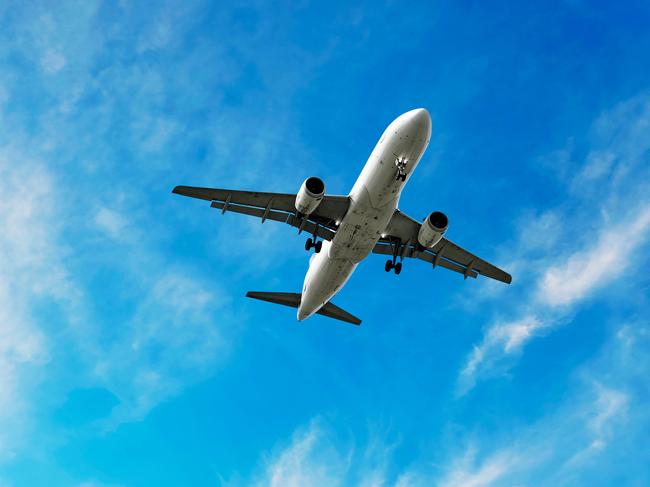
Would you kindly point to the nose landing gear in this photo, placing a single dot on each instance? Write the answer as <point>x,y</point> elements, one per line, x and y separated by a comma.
<point>400,163</point>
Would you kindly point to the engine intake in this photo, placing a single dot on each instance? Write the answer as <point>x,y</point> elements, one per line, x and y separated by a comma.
<point>432,229</point>
<point>310,195</point>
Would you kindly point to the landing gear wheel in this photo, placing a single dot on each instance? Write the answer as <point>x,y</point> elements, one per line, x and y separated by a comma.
<point>309,244</point>
<point>318,245</point>
<point>389,266</point>
<point>404,177</point>
<point>398,268</point>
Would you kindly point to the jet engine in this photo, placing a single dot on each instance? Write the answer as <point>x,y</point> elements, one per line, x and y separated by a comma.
<point>432,229</point>
<point>310,195</point>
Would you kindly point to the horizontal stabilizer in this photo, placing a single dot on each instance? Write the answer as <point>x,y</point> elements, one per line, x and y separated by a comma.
<point>293,300</point>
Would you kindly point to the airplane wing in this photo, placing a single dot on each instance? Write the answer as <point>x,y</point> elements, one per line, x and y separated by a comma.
<point>401,239</point>
<point>274,206</point>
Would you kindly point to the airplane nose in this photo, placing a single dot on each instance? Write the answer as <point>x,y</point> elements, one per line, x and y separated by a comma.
<point>420,116</point>
<point>420,119</point>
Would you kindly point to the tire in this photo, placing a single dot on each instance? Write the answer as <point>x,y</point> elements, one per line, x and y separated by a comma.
<point>398,268</point>
<point>388,266</point>
<point>318,246</point>
<point>309,244</point>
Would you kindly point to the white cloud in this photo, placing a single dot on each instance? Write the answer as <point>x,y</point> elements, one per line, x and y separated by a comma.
<point>464,473</point>
<point>309,461</point>
<point>567,254</point>
<point>123,317</point>
<point>159,311</point>
<point>584,436</point>
<point>172,340</point>
<point>598,164</point>
<point>314,457</point>
<point>610,404</point>
<point>53,62</point>
<point>158,37</point>
<point>559,289</point>
<point>586,270</point>
<point>112,223</point>
<point>501,340</point>
<point>32,273</point>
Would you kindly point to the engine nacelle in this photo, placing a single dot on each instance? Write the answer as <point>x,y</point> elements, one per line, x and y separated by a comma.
<point>310,195</point>
<point>432,229</point>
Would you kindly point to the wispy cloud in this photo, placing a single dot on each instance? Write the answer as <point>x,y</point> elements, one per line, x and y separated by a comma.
<point>52,62</point>
<point>565,446</point>
<point>32,274</point>
<point>112,223</point>
<point>314,457</point>
<point>586,270</point>
<point>86,281</point>
<point>307,461</point>
<point>464,473</point>
<point>74,246</point>
<point>587,247</point>
<point>48,322</point>
<point>171,341</point>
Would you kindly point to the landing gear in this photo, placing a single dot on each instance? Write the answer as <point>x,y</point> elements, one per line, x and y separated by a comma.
<point>392,264</point>
<point>400,163</point>
<point>317,246</point>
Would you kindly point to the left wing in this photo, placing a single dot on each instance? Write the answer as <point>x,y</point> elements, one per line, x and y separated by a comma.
<point>402,240</point>
<point>274,206</point>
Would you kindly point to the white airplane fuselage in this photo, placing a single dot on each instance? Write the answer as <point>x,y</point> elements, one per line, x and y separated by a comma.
<point>373,201</point>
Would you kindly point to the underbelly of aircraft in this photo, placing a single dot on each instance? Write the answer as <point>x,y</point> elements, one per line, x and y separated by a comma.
<point>360,229</point>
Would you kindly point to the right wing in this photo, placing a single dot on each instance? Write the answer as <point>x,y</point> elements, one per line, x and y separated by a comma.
<point>274,206</point>
<point>404,230</point>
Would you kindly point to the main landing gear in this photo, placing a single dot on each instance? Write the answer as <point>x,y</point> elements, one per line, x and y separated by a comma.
<point>316,245</point>
<point>392,264</point>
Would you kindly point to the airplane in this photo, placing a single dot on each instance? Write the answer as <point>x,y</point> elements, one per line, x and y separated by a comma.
<point>346,229</point>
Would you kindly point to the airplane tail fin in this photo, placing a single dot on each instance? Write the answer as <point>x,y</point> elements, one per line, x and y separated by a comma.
<point>293,300</point>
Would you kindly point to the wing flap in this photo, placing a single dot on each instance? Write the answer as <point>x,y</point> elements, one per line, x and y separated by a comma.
<point>277,216</point>
<point>458,254</point>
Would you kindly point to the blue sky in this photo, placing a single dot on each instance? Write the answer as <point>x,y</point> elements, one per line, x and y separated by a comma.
<point>128,353</point>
